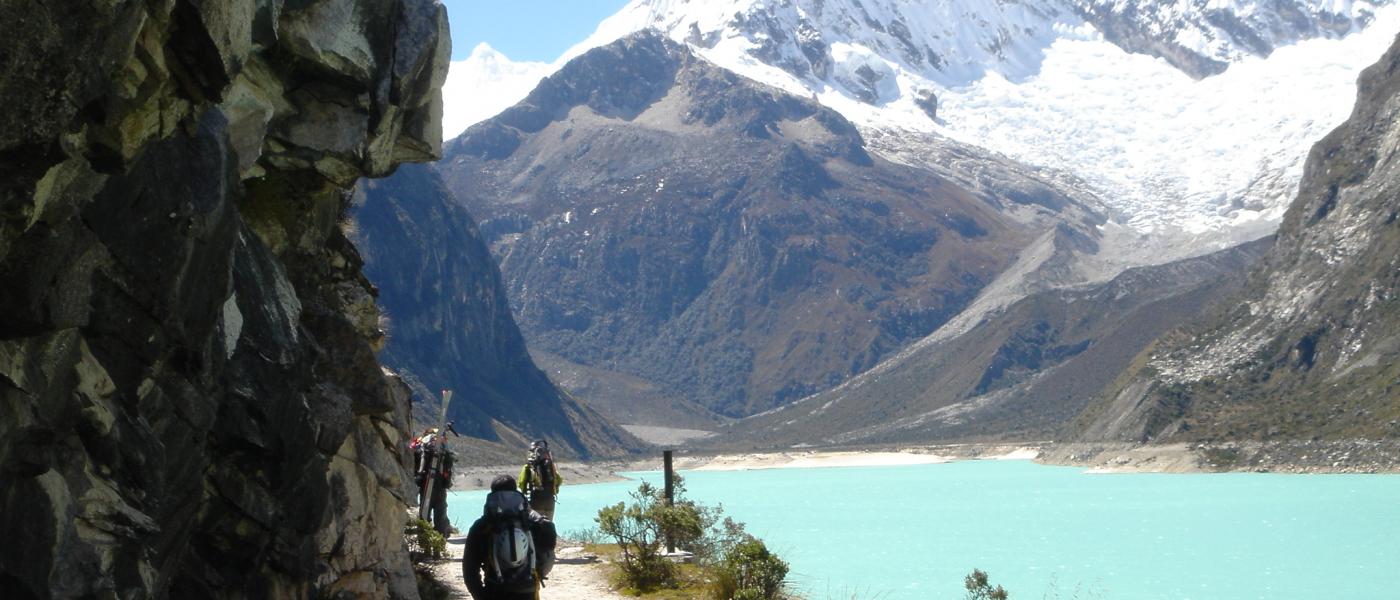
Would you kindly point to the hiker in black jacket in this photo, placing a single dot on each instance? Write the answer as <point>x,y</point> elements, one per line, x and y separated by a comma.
<point>510,549</point>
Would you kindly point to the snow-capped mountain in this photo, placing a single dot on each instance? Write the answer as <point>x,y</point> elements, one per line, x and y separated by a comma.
<point>486,83</point>
<point>955,42</point>
<point>1189,118</point>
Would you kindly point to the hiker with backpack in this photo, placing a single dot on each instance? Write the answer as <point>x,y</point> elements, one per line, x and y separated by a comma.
<point>433,462</point>
<point>510,549</point>
<point>540,479</point>
<point>417,447</point>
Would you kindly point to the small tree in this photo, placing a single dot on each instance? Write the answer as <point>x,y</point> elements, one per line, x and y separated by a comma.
<point>979,588</point>
<point>640,530</point>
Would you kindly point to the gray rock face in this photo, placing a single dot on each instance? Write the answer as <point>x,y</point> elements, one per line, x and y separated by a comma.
<point>1202,38</point>
<point>450,322</point>
<point>1309,349</point>
<point>190,402</point>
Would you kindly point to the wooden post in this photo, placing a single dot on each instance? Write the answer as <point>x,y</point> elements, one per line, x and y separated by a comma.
<point>670,495</point>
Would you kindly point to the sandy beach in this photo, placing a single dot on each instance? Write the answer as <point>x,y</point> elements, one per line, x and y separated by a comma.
<point>812,460</point>
<point>476,478</point>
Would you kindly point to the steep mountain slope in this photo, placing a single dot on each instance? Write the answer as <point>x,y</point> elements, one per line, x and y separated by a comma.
<point>658,216</point>
<point>1310,348</point>
<point>450,326</point>
<point>1022,373</point>
<point>190,405</point>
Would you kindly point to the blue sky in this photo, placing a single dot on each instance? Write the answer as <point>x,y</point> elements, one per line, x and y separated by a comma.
<point>534,30</point>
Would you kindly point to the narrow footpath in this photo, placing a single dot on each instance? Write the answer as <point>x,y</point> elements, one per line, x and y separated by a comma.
<point>576,575</point>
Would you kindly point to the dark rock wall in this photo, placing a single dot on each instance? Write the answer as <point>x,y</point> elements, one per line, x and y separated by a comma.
<point>1310,347</point>
<point>450,324</point>
<point>190,403</point>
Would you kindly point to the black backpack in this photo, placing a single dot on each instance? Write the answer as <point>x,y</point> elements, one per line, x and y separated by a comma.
<point>543,478</point>
<point>510,545</point>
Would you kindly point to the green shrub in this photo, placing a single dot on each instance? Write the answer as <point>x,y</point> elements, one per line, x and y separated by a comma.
<point>749,572</point>
<point>722,549</point>
<point>423,541</point>
<point>979,588</point>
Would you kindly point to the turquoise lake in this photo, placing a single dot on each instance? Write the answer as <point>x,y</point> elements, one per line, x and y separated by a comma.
<point>913,532</point>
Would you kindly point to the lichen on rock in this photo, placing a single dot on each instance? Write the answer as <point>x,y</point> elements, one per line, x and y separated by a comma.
<point>190,402</point>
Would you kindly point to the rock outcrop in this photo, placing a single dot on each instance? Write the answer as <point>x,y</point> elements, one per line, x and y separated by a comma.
<point>450,325</point>
<point>1310,349</point>
<point>190,402</point>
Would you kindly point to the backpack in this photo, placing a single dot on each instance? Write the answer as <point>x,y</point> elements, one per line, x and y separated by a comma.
<point>541,468</point>
<point>543,471</point>
<point>510,547</point>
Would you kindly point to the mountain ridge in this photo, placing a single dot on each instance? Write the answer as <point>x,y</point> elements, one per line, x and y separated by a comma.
<point>570,186</point>
<point>1130,126</point>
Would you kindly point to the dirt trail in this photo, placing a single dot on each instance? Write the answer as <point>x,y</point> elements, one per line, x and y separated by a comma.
<point>576,576</point>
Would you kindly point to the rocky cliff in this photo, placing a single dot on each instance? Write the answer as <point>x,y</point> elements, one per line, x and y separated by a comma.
<point>449,323</point>
<point>1310,348</point>
<point>191,402</point>
<point>660,217</point>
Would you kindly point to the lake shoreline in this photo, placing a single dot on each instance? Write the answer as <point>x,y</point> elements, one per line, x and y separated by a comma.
<point>1347,456</point>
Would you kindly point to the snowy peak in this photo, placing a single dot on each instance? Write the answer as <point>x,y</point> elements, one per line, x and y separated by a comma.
<point>953,42</point>
<point>857,43</point>
<point>1128,95</point>
<point>489,58</point>
<point>483,84</point>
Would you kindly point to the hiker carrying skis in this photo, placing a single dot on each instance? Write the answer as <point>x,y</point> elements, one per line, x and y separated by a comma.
<point>434,461</point>
<point>510,549</point>
<point>540,479</point>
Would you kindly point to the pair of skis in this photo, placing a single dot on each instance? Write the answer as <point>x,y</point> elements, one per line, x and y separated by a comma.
<point>435,463</point>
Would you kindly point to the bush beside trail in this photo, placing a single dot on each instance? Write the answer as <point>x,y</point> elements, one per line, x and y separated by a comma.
<point>425,544</point>
<point>729,563</point>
